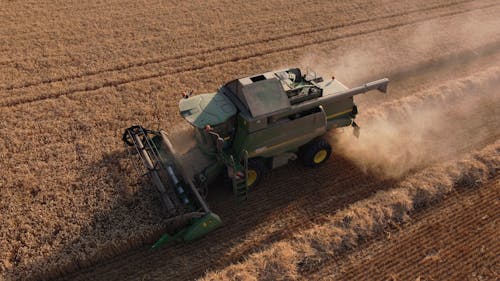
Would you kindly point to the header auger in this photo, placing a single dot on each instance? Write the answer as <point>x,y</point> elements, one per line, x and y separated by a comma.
<point>248,127</point>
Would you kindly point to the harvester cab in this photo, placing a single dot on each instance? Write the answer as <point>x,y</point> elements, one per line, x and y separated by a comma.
<point>250,126</point>
<point>211,115</point>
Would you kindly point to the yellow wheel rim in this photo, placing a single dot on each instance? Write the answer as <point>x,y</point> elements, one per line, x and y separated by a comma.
<point>251,177</point>
<point>320,156</point>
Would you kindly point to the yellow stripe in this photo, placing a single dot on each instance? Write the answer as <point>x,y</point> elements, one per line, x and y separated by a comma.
<point>337,114</point>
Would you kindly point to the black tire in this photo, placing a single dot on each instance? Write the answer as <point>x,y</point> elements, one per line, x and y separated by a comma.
<point>257,168</point>
<point>316,152</point>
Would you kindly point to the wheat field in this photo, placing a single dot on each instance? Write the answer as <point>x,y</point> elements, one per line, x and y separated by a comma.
<point>74,74</point>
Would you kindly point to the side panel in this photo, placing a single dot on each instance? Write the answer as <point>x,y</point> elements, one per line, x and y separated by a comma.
<point>339,113</point>
<point>286,134</point>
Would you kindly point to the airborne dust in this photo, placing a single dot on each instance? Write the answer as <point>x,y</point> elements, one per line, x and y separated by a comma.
<point>436,124</point>
<point>433,125</point>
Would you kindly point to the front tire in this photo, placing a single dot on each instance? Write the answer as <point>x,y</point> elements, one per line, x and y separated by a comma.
<point>316,153</point>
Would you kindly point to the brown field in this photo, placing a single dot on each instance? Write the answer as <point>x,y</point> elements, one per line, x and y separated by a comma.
<point>454,240</point>
<point>73,75</point>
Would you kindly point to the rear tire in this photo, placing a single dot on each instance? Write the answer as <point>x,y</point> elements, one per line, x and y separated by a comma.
<point>316,152</point>
<point>257,171</point>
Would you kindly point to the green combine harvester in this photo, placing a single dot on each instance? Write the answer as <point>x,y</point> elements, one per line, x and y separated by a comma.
<point>248,127</point>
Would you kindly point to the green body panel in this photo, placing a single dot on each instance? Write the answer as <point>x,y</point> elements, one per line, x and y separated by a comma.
<point>202,226</point>
<point>206,109</point>
<point>283,135</point>
<point>240,136</point>
<point>340,113</point>
<point>270,116</point>
<point>196,229</point>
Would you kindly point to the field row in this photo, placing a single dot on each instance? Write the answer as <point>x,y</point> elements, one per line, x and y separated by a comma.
<point>454,240</point>
<point>233,47</point>
<point>111,38</point>
<point>92,81</point>
<point>273,213</point>
<point>310,250</point>
<point>226,50</point>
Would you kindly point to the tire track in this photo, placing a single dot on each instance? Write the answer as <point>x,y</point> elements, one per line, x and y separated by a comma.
<point>86,88</point>
<point>207,52</point>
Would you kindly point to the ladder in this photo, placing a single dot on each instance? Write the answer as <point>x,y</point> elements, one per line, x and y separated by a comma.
<point>239,180</point>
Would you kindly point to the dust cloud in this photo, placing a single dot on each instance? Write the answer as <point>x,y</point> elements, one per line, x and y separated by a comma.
<point>188,153</point>
<point>432,125</point>
<point>437,124</point>
<point>382,55</point>
<point>182,137</point>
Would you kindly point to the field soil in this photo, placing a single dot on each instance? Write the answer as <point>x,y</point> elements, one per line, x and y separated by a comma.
<point>453,240</point>
<point>74,75</point>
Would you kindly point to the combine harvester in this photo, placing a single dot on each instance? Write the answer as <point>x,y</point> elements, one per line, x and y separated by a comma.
<point>248,127</point>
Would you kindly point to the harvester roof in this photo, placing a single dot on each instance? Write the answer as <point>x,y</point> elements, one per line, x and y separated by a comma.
<point>256,96</point>
<point>260,95</point>
<point>207,109</point>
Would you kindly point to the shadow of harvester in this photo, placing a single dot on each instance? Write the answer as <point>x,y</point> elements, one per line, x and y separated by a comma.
<point>115,245</point>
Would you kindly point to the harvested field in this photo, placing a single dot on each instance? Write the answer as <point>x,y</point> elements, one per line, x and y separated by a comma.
<point>74,75</point>
<point>308,250</point>
<point>458,233</point>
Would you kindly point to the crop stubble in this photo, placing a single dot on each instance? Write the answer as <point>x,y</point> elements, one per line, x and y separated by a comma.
<point>455,240</point>
<point>292,207</point>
